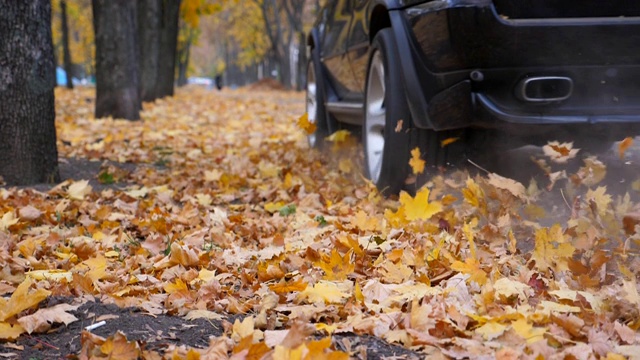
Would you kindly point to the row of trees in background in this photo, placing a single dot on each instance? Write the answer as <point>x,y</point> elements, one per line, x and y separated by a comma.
<point>242,40</point>
<point>138,47</point>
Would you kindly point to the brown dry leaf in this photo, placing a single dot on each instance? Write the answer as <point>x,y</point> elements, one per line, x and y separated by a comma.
<point>42,319</point>
<point>515,188</point>
<point>79,189</point>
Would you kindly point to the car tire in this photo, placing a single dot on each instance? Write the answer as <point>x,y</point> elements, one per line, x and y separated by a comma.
<point>388,134</point>
<point>315,104</point>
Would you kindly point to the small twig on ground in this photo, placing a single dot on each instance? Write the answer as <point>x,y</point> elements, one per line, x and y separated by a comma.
<point>478,166</point>
<point>43,342</point>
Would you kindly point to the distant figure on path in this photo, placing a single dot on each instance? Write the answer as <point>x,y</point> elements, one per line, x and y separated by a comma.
<point>218,80</point>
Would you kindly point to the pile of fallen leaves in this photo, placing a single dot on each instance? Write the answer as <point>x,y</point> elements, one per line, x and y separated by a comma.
<point>234,214</point>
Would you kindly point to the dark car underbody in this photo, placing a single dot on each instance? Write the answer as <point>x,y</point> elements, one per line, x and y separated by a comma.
<point>494,71</point>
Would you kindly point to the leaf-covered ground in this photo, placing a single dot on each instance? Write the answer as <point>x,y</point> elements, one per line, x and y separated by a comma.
<point>213,207</point>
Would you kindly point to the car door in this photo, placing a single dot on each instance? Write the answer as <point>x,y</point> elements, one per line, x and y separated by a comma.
<point>334,48</point>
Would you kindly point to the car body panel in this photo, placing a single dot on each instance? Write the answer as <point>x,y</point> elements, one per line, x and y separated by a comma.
<point>443,44</point>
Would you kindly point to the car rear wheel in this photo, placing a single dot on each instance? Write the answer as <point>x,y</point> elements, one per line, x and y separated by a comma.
<point>315,106</point>
<point>386,150</point>
<point>388,134</point>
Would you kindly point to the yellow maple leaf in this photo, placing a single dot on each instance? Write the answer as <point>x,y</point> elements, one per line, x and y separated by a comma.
<point>21,299</point>
<point>471,266</point>
<point>97,267</point>
<point>345,165</point>
<point>419,207</point>
<point>593,171</point>
<point>600,198</point>
<point>7,220</point>
<point>468,229</point>
<point>365,222</point>
<point>335,266</point>
<point>10,331</point>
<point>273,207</point>
<point>491,330</point>
<point>526,330</point>
<point>417,164</point>
<point>325,292</point>
<point>307,126</point>
<point>177,286</point>
<point>241,330</point>
<point>551,249</point>
<point>474,195</point>
<point>339,136</point>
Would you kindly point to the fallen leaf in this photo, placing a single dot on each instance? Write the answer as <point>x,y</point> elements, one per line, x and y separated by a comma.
<point>560,152</point>
<point>624,146</point>
<point>79,189</point>
<point>42,319</point>
<point>417,164</point>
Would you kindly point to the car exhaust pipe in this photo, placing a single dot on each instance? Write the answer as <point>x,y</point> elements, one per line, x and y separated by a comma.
<point>544,88</point>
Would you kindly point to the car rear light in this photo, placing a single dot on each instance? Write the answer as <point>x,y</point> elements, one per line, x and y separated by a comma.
<point>544,88</point>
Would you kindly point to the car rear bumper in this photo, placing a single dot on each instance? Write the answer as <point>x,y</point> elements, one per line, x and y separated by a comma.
<point>448,43</point>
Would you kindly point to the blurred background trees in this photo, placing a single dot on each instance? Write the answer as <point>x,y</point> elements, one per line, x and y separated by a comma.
<point>242,41</point>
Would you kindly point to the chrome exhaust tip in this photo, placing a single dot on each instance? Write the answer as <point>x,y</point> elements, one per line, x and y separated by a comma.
<point>540,89</point>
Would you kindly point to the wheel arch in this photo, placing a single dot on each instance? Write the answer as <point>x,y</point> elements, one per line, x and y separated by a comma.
<point>378,20</point>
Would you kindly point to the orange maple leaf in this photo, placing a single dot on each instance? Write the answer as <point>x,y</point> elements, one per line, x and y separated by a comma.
<point>337,267</point>
<point>624,146</point>
<point>306,125</point>
<point>284,287</point>
<point>471,266</point>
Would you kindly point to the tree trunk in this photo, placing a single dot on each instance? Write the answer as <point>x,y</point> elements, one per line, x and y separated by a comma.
<point>66,53</point>
<point>183,58</point>
<point>117,76</point>
<point>149,36</point>
<point>27,78</point>
<point>302,61</point>
<point>170,12</point>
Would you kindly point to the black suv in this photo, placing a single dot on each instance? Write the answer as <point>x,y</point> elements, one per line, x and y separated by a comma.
<point>444,75</point>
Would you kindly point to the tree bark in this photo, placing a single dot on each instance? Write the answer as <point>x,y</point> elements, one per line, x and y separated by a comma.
<point>183,57</point>
<point>170,12</point>
<point>149,35</point>
<point>117,76</point>
<point>302,62</point>
<point>66,52</point>
<point>27,78</point>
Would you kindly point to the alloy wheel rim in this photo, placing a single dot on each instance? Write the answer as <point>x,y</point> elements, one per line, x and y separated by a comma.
<point>312,102</point>
<point>375,117</point>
